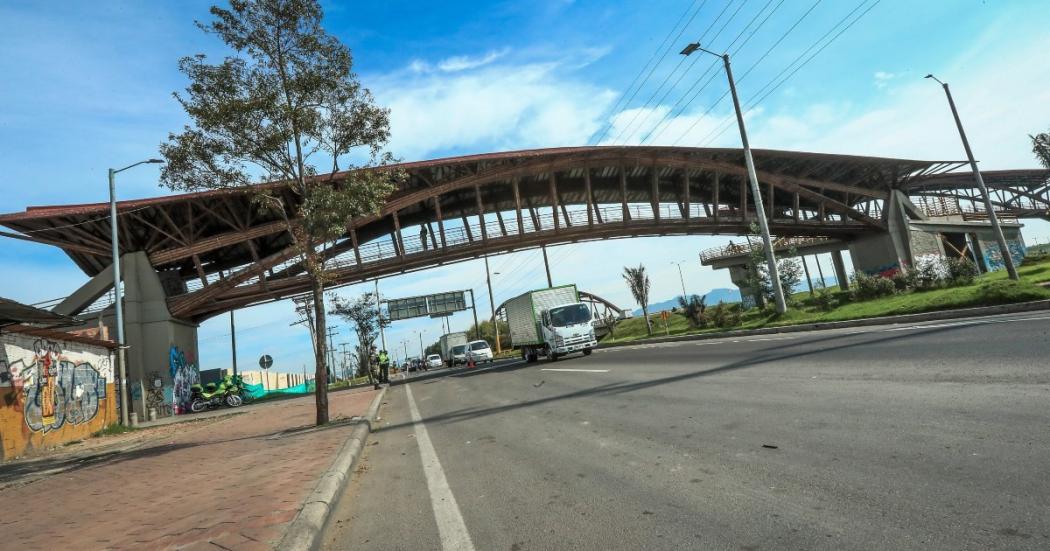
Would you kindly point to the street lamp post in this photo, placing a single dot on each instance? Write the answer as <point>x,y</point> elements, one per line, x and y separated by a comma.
<point>760,213</point>
<point>492,303</point>
<point>681,278</point>
<point>117,289</point>
<point>1004,250</point>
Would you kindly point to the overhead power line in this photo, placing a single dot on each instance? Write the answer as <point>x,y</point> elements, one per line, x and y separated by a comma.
<point>754,103</point>
<point>638,112</point>
<point>761,58</point>
<point>710,73</point>
<point>667,40</point>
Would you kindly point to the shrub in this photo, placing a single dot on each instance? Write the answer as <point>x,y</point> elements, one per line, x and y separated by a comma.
<point>1007,291</point>
<point>867,287</point>
<point>930,272</point>
<point>904,279</point>
<point>961,271</point>
<point>694,307</point>
<point>724,316</point>
<point>824,299</point>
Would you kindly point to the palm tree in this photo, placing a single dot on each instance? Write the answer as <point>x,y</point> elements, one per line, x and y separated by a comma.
<point>638,282</point>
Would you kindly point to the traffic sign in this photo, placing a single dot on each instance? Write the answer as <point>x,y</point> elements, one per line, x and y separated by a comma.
<point>265,361</point>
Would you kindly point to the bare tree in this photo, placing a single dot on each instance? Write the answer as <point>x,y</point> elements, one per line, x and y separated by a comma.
<point>284,100</point>
<point>638,281</point>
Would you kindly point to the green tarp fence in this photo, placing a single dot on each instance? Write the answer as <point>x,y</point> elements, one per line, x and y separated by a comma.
<point>258,391</point>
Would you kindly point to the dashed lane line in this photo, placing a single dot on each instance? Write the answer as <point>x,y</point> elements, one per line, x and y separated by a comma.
<point>576,370</point>
<point>453,531</point>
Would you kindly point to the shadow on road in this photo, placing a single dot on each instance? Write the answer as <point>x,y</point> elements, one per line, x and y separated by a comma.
<point>612,389</point>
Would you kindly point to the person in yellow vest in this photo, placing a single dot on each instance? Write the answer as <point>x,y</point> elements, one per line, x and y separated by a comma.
<point>384,366</point>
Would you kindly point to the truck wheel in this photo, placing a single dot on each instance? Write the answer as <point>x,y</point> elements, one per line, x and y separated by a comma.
<point>587,351</point>
<point>553,356</point>
<point>531,358</point>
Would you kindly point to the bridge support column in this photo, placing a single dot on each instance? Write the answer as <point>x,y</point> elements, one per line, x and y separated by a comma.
<point>840,270</point>
<point>160,347</point>
<point>749,296</point>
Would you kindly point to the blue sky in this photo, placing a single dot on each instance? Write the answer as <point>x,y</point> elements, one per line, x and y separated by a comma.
<point>88,85</point>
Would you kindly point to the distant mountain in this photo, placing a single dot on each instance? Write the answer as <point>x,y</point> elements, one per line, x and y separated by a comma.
<point>714,296</point>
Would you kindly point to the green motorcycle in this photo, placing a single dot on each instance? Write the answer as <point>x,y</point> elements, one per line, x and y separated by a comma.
<point>237,382</point>
<point>211,396</point>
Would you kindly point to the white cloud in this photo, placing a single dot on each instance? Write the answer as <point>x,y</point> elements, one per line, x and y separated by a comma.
<point>883,78</point>
<point>463,63</point>
<point>496,107</point>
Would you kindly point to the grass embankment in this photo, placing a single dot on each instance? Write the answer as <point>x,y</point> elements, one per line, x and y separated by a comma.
<point>988,290</point>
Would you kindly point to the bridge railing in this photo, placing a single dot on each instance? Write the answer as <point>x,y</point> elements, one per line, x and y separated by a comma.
<point>456,234</point>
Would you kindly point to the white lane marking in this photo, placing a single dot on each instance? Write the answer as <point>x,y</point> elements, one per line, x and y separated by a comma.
<point>577,370</point>
<point>965,323</point>
<point>453,530</point>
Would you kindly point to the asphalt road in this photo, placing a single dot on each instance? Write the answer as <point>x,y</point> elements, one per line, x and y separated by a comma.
<point>932,436</point>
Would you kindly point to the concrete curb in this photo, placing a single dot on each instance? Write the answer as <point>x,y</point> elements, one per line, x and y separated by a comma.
<point>960,313</point>
<point>304,532</point>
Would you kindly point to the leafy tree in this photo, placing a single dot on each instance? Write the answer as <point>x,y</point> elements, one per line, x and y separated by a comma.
<point>362,314</point>
<point>1041,147</point>
<point>638,282</point>
<point>694,307</point>
<point>284,100</point>
<point>488,333</point>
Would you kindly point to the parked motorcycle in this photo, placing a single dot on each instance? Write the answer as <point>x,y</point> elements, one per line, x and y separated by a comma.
<point>211,396</point>
<point>240,387</point>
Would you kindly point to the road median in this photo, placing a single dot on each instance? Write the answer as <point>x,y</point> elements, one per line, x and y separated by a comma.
<point>958,313</point>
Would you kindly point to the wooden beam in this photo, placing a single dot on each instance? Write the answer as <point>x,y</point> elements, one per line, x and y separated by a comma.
<point>466,227</point>
<point>481,214</point>
<point>357,246</point>
<point>554,200</point>
<point>654,193</point>
<point>716,206</point>
<point>795,209</point>
<point>590,195</point>
<point>686,197</point>
<point>84,249</point>
<point>440,221</point>
<point>623,194</point>
<point>502,226</point>
<point>399,242</point>
<point>212,243</point>
<point>770,215</point>
<point>517,207</point>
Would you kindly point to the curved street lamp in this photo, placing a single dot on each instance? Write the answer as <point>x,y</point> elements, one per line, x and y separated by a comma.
<point>117,290</point>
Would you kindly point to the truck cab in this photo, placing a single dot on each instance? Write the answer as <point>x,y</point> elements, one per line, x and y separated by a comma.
<point>567,328</point>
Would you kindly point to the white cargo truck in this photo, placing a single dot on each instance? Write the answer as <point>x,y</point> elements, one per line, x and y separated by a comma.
<point>448,342</point>
<point>550,323</point>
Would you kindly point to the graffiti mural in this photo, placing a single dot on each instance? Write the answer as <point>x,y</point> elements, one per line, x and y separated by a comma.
<point>184,374</point>
<point>993,258</point>
<point>53,390</point>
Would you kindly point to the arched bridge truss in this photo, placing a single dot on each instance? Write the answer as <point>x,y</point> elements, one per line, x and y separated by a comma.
<point>217,251</point>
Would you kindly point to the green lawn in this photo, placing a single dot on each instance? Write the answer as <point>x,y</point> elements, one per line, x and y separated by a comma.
<point>989,289</point>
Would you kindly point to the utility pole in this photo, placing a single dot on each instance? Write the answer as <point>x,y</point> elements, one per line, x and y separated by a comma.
<point>332,331</point>
<point>422,352</point>
<point>547,265</point>
<point>233,343</point>
<point>756,193</point>
<point>492,303</point>
<point>474,307</point>
<point>379,314</point>
<point>681,278</point>
<point>1004,249</point>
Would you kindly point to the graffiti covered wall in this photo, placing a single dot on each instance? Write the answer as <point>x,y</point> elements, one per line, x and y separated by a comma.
<point>184,374</point>
<point>51,392</point>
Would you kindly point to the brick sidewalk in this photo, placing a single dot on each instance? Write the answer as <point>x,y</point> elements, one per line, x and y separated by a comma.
<point>232,484</point>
